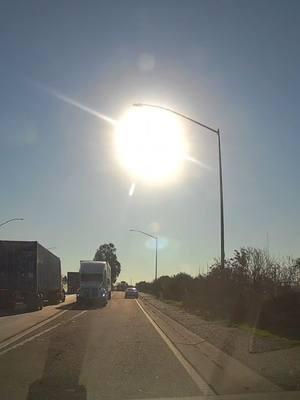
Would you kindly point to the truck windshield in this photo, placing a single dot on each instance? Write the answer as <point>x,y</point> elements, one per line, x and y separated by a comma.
<point>91,277</point>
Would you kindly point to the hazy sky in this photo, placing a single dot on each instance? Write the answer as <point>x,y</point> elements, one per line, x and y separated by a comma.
<point>231,64</point>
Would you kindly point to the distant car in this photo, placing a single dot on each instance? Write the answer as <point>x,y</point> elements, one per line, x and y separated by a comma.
<point>131,293</point>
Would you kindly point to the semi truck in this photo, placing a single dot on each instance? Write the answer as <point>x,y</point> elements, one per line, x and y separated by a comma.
<point>95,283</point>
<point>29,274</point>
<point>73,282</point>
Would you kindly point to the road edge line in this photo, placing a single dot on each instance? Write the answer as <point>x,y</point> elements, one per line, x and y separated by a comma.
<point>204,387</point>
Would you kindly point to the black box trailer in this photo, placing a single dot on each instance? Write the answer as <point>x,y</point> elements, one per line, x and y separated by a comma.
<point>29,273</point>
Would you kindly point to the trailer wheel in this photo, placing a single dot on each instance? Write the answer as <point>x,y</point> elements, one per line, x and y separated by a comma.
<point>54,298</point>
<point>104,303</point>
<point>34,303</point>
<point>39,302</point>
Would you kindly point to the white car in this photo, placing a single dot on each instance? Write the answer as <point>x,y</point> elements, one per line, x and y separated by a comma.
<point>131,293</point>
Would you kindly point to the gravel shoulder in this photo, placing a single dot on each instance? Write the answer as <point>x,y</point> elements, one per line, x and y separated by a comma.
<point>275,358</point>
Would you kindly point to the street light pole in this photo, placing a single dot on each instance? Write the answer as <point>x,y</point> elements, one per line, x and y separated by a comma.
<point>217,132</point>
<point>10,220</point>
<point>221,204</point>
<point>156,239</point>
<point>156,245</point>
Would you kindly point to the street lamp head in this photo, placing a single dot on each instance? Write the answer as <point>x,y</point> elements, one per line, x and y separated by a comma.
<point>11,220</point>
<point>137,104</point>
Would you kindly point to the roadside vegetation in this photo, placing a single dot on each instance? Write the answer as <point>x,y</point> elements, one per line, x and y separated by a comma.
<point>108,252</point>
<point>254,288</point>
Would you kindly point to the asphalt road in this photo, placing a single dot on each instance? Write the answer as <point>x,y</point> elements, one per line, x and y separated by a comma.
<point>14,322</point>
<point>103,353</point>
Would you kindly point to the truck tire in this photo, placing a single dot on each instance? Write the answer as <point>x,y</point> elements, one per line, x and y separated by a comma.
<point>41,305</point>
<point>34,303</point>
<point>54,298</point>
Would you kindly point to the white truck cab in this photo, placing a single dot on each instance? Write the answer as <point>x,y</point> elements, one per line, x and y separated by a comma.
<point>95,282</point>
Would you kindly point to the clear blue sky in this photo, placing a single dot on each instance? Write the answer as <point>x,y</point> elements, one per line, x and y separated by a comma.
<point>231,64</point>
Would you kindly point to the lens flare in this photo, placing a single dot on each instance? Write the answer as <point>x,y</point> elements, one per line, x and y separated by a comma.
<point>150,145</point>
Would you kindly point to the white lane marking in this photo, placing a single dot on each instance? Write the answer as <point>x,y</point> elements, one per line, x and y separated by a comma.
<point>78,315</point>
<point>39,334</point>
<point>198,380</point>
<point>29,330</point>
<point>29,339</point>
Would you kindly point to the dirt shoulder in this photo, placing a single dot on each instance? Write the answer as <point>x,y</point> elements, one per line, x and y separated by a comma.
<point>277,359</point>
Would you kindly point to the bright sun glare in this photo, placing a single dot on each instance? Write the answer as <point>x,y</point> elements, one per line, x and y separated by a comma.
<point>150,144</point>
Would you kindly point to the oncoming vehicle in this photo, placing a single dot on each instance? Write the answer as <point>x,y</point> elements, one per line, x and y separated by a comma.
<point>73,282</point>
<point>29,274</point>
<point>131,293</point>
<point>95,283</point>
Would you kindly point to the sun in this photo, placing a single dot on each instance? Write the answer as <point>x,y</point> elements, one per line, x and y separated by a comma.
<point>150,145</point>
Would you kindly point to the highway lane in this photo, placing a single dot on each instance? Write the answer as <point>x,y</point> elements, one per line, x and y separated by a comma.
<point>106,353</point>
<point>13,323</point>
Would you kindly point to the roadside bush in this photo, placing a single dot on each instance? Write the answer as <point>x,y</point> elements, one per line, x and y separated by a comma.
<point>144,287</point>
<point>253,288</point>
<point>281,315</point>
